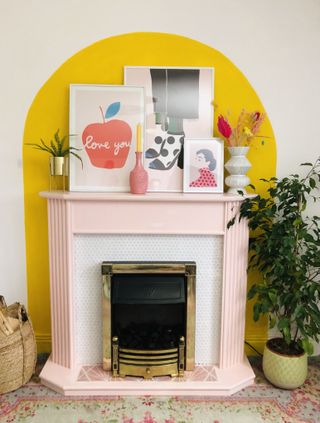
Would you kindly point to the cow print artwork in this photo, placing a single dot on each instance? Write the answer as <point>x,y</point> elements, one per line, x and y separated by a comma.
<point>178,106</point>
<point>175,96</point>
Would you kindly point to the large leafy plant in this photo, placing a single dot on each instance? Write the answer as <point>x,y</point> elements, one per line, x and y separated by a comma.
<point>57,147</point>
<point>284,247</point>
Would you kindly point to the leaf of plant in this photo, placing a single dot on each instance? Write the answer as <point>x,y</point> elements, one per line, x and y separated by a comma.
<point>53,147</point>
<point>256,311</point>
<point>273,297</point>
<point>283,323</point>
<point>252,292</point>
<point>77,156</point>
<point>75,148</point>
<point>312,183</point>
<point>47,148</point>
<point>272,322</point>
<point>231,222</point>
<point>39,147</point>
<point>287,335</point>
<point>307,346</point>
<point>112,110</point>
<point>42,148</point>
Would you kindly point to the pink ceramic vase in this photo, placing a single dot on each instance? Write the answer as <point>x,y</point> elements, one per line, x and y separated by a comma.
<point>138,177</point>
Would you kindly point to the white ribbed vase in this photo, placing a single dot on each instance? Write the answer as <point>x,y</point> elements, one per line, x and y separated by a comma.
<point>237,166</point>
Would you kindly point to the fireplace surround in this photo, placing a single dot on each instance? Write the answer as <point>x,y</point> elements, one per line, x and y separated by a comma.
<point>117,223</point>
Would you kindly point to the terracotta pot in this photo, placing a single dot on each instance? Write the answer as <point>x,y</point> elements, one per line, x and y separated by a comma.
<point>284,371</point>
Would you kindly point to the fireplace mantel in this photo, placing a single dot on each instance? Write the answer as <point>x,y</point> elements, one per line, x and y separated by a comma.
<point>70,214</point>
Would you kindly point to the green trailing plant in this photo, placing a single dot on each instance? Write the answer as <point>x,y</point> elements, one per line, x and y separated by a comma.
<point>284,246</point>
<point>58,147</point>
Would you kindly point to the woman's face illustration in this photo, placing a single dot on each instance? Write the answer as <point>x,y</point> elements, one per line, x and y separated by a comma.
<point>201,160</point>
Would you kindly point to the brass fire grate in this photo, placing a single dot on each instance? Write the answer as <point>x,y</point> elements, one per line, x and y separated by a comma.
<point>147,363</point>
<point>165,358</point>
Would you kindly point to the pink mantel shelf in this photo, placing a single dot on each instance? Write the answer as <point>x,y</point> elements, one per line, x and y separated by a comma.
<point>71,213</point>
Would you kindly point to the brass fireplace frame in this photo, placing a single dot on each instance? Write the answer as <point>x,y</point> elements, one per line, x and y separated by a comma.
<point>188,269</point>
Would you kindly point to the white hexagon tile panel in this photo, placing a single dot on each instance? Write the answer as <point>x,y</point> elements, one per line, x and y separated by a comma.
<point>91,250</point>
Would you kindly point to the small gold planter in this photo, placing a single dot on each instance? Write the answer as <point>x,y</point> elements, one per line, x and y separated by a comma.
<point>58,173</point>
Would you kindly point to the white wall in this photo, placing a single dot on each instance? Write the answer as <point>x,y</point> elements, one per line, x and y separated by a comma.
<point>275,43</point>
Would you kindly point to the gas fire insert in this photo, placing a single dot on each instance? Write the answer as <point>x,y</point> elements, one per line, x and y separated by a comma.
<point>148,318</point>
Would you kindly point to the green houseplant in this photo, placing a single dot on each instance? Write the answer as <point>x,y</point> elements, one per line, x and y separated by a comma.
<point>59,151</point>
<point>57,148</point>
<point>284,247</point>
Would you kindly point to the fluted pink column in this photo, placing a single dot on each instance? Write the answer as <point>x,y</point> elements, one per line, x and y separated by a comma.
<point>60,260</point>
<point>233,289</point>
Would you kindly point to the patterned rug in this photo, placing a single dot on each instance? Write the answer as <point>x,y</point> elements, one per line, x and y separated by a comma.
<point>258,403</point>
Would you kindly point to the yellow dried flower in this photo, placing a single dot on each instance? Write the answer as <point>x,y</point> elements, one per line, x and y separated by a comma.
<point>247,131</point>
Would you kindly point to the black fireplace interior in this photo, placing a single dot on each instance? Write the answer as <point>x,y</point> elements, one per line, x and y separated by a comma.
<point>148,311</point>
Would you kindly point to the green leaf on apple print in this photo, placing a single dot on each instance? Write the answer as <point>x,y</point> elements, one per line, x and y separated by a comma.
<point>112,109</point>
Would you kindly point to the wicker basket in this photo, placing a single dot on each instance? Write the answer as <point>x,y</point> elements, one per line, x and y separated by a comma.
<point>18,351</point>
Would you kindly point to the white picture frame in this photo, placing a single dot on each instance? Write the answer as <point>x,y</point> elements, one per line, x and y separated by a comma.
<point>102,122</point>
<point>203,165</point>
<point>186,92</point>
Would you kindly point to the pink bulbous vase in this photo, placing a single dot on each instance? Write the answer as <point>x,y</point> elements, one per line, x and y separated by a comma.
<point>138,177</point>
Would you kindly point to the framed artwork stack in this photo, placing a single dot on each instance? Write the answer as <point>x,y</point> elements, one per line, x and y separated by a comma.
<point>174,107</point>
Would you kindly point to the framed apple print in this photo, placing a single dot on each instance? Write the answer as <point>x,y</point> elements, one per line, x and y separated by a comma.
<point>203,165</point>
<point>103,121</point>
<point>178,104</point>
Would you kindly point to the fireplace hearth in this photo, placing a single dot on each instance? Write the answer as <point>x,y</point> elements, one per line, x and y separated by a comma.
<point>148,318</point>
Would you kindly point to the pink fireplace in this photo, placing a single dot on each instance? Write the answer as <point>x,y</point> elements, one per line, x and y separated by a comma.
<point>86,229</point>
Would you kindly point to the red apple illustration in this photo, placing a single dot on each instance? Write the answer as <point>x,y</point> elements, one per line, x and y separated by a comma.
<point>107,144</point>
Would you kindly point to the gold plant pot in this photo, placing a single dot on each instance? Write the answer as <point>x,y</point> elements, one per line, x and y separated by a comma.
<point>284,371</point>
<point>58,173</point>
<point>59,166</point>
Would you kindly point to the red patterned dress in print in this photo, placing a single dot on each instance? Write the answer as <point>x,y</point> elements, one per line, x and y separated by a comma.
<point>206,179</point>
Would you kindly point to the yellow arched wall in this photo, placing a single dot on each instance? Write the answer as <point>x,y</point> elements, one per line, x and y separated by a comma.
<point>102,63</point>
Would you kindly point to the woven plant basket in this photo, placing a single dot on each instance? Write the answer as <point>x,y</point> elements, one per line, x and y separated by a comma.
<point>18,351</point>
